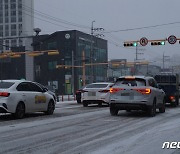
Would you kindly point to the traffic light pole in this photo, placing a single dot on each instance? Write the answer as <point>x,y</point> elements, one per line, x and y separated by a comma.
<point>72,77</point>
<point>84,69</point>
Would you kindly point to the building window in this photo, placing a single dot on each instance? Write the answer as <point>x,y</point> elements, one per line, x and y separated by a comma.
<point>7,30</point>
<point>20,5</point>
<point>1,20</point>
<point>6,13</point>
<point>13,43</point>
<point>6,7</point>
<point>13,13</point>
<point>20,42</point>
<point>6,33</point>
<point>20,12</point>
<point>52,45</point>
<point>13,19</point>
<point>13,33</point>
<point>13,5</point>
<point>38,70</point>
<point>1,13</point>
<point>52,65</point>
<point>6,19</point>
<point>1,30</point>
<point>7,44</point>
<point>20,19</point>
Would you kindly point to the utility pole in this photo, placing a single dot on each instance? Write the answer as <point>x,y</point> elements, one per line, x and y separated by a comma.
<point>163,61</point>
<point>136,58</point>
<point>72,77</point>
<point>93,78</point>
<point>84,69</point>
<point>92,52</point>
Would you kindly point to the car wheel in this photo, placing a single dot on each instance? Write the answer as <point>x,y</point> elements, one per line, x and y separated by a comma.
<point>50,108</point>
<point>162,109</point>
<point>113,110</point>
<point>152,109</point>
<point>20,111</point>
<point>78,101</point>
<point>100,104</point>
<point>177,101</point>
<point>85,104</point>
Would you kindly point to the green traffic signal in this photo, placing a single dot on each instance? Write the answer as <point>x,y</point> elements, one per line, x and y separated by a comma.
<point>162,43</point>
<point>130,44</point>
<point>158,43</point>
<point>134,44</point>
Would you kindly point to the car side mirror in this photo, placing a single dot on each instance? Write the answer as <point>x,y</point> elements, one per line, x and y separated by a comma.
<point>158,86</point>
<point>45,89</point>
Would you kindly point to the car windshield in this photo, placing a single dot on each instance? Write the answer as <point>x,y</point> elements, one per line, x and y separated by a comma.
<point>5,85</point>
<point>97,86</point>
<point>130,82</point>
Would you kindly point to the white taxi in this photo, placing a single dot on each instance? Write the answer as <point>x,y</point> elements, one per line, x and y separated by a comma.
<point>20,97</point>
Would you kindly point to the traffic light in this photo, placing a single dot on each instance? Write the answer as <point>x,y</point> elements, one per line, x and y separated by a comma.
<point>130,44</point>
<point>158,43</point>
<point>81,80</point>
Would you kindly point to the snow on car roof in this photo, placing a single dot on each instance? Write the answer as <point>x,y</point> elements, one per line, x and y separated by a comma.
<point>102,83</point>
<point>13,80</point>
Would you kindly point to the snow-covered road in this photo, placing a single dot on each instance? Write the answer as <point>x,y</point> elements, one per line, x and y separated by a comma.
<point>74,129</point>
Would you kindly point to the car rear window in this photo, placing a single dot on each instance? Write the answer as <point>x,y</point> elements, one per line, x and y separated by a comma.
<point>97,86</point>
<point>131,82</point>
<point>6,85</point>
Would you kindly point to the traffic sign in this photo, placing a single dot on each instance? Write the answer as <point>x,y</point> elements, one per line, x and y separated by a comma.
<point>172,39</point>
<point>143,41</point>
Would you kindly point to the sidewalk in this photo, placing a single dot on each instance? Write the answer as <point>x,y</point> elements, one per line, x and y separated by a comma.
<point>62,98</point>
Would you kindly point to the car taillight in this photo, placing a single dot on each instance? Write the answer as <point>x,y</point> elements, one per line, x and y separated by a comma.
<point>144,90</point>
<point>172,97</point>
<point>4,94</point>
<point>115,90</point>
<point>104,91</point>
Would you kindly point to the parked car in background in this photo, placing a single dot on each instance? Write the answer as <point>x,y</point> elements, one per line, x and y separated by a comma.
<point>136,93</point>
<point>20,97</point>
<point>96,93</point>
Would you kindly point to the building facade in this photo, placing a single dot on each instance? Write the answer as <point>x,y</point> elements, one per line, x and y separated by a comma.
<point>16,21</point>
<point>71,46</point>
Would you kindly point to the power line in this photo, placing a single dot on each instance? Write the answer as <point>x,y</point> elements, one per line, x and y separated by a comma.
<point>145,27</point>
<point>43,15</point>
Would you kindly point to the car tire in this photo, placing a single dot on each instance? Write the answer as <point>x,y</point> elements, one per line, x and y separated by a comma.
<point>85,104</point>
<point>20,111</point>
<point>50,108</point>
<point>113,110</point>
<point>177,101</point>
<point>99,104</point>
<point>162,109</point>
<point>78,101</point>
<point>152,109</point>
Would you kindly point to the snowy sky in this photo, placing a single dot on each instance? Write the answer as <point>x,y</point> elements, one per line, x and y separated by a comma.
<point>116,17</point>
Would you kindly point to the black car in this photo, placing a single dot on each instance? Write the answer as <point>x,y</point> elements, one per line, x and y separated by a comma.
<point>78,94</point>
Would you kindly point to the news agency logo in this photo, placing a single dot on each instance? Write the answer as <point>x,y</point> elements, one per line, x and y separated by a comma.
<point>171,145</point>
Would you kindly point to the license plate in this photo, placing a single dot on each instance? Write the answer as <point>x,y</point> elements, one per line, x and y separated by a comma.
<point>91,93</point>
<point>125,94</point>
